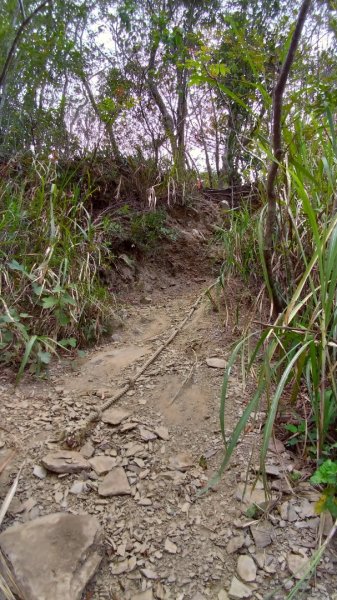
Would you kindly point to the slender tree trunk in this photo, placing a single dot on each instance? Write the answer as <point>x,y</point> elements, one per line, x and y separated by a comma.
<point>270,228</point>
<point>11,52</point>
<point>204,142</point>
<point>181,119</point>
<point>217,137</point>
<point>166,117</point>
<point>108,126</point>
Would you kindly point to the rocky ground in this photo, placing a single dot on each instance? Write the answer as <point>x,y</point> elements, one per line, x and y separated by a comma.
<point>117,514</point>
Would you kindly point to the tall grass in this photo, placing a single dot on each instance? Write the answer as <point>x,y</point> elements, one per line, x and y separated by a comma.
<point>295,357</point>
<point>240,243</point>
<point>50,255</point>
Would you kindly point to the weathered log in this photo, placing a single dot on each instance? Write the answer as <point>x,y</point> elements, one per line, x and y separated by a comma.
<point>236,196</point>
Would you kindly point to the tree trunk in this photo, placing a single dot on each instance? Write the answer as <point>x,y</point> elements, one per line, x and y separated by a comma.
<point>181,120</point>
<point>278,302</point>
<point>166,117</point>
<point>108,126</point>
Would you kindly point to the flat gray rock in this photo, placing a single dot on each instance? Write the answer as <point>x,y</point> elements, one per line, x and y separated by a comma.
<point>235,543</point>
<point>65,461</point>
<point>102,464</point>
<point>53,557</point>
<point>246,568</point>
<point>263,534</point>
<point>248,495</point>
<point>115,483</point>
<point>181,462</point>
<point>297,564</point>
<point>239,590</point>
<point>162,432</point>
<point>114,416</point>
<point>147,435</point>
<point>87,450</point>
<point>216,363</point>
<point>276,446</point>
<point>39,472</point>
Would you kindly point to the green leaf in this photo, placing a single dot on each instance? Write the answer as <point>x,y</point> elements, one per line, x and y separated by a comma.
<point>62,317</point>
<point>292,428</point>
<point>66,299</point>
<point>17,267</point>
<point>327,473</point>
<point>44,357</point>
<point>49,301</point>
<point>72,342</point>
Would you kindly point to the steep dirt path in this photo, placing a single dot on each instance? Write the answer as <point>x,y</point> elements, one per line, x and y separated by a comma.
<point>160,540</point>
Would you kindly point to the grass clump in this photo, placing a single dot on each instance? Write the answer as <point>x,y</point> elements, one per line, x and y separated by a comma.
<point>50,255</point>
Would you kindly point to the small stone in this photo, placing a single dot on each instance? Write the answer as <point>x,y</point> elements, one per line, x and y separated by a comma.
<point>235,544</point>
<point>78,487</point>
<point>162,432</point>
<point>147,595</point>
<point>102,464</point>
<point>271,566</point>
<point>181,462</point>
<point>145,502</point>
<point>87,450</point>
<point>65,461</point>
<point>276,446</point>
<point>58,496</point>
<point>273,470</point>
<point>114,416</point>
<point>246,568</point>
<point>120,567</point>
<point>134,450</point>
<point>297,564</point>
<point>149,574</point>
<point>262,533</point>
<point>216,363</point>
<point>170,547</point>
<point>327,521</point>
<point>146,435</point>
<point>239,590</point>
<point>128,426</point>
<point>16,507</point>
<point>222,595</point>
<point>306,509</point>
<point>287,512</point>
<point>249,495</point>
<point>39,472</point>
<point>260,558</point>
<point>115,483</point>
<point>54,556</point>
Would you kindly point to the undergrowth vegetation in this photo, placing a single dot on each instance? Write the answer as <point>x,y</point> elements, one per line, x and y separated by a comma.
<point>294,359</point>
<point>53,251</point>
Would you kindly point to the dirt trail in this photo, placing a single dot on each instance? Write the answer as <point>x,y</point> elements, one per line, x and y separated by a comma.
<point>160,539</point>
